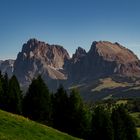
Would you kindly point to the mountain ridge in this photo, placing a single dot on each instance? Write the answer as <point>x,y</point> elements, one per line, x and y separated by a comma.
<point>104,59</point>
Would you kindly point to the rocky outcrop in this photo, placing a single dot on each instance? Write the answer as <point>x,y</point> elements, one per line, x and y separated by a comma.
<point>80,52</point>
<point>73,66</point>
<point>7,66</point>
<point>113,58</point>
<point>103,59</point>
<point>37,58</point>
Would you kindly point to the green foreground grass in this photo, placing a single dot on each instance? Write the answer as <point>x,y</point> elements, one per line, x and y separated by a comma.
<point>14,127</point>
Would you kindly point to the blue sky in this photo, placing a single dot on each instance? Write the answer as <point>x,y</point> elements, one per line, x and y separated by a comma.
<point>70,23</point>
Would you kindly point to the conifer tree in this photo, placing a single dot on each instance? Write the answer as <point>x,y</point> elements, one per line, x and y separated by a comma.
<point>4,93</point>
<point>101,124</point>
<point>60,109</point>
<point>37,102</point>
<point>1,95</point>
<point>14,96</point>
<point>79,116</point>
<point>123,125</point>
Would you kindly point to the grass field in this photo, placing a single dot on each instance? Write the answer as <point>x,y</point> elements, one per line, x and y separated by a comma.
<point>108,83</point>
<point>14,127</point>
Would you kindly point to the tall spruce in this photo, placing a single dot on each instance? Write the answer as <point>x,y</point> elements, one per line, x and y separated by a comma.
<point>1,93</point>
<point>4,93</point>
<point>37,102</point>
<point>123,125</point>
<point>14,96</point>
<point>60,109</point>
<point>102,128</point>
<point>79,116</point>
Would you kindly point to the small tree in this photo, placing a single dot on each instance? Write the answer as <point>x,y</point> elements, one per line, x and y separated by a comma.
<point>37,102</point>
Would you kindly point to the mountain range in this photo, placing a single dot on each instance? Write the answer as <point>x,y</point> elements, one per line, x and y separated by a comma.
<point>107,70</point>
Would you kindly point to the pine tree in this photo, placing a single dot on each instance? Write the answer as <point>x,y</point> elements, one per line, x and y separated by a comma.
<point>37,102</point>
<point>101,124</point>
<point>4,93</point>
<point>124,127</point>
<point>1,94</point>
<point>14,96</point>
<point>79,116</point>
<point>60,109</point>
<point>5,84</point>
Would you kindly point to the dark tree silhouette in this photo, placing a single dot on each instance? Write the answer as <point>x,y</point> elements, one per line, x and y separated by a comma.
<point>101,124</point>
<point>123,125</point>
<point>60,109</point>
<point>79,117</point>
<point>37,103</point>
<point>14,96</point>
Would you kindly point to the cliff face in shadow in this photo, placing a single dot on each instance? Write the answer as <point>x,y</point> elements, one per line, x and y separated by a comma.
<point>103,59</point>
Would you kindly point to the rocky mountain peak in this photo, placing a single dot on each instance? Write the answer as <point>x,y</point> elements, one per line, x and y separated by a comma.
<point>103,59</point>
<point>79,53</point>
<point>53,55</point>
<point>112,52</point>
<point>37,58</point>
<point>31,45</point>
<point>7,66</point>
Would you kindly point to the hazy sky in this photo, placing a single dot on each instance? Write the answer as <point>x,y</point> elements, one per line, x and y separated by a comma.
<point>70,23</point>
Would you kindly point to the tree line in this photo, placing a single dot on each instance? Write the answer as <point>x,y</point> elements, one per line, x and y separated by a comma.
<point>66,112</point>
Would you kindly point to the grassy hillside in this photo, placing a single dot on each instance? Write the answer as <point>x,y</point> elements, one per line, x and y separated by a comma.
<point>14,127</point>
<point>109,88</point>
<point>109,84</point>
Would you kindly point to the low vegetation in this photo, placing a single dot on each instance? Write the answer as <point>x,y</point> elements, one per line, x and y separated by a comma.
<point>14,127</point>
<point>108,83</point>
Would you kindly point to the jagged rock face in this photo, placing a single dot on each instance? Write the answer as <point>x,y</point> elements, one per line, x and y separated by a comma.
<point>116,58</point>
<point>73,66</point>
<point>7,66</point>
<point>40,58</point>
<point>103,59</point>
<point>53,63</point>
<point>80,52</point>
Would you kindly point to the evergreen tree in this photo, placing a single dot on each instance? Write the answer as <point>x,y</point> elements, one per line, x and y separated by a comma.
<point>5,84</point>
<point>79,117</point>
<point>60,109</point>
<point>124,127</point>
<point>4,93</point>
<point>1,94</point>
<point>101,124</point>
<point>1,75</point>
<point>37,102</point>
<point>14,97</point>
